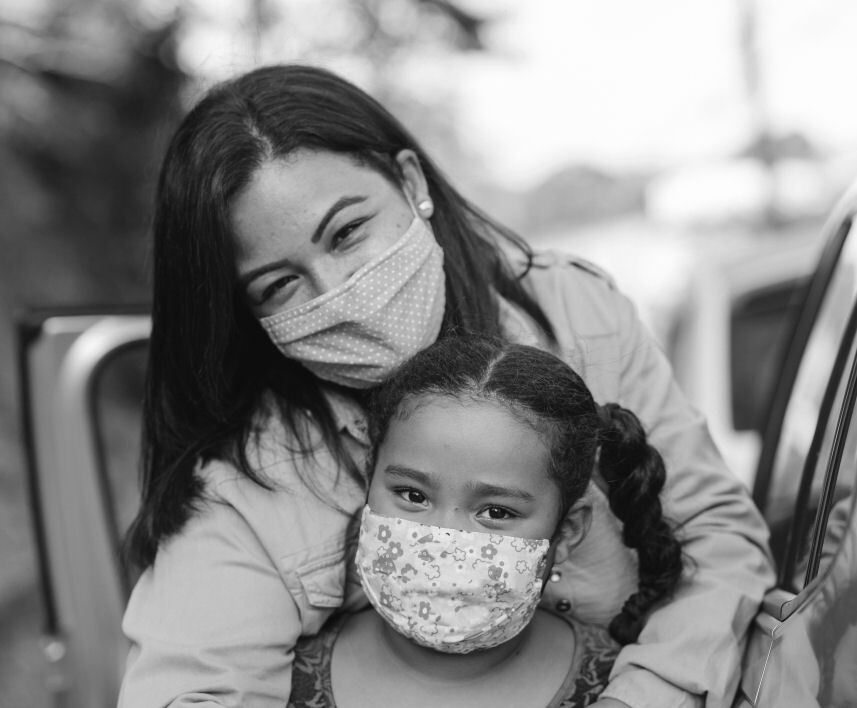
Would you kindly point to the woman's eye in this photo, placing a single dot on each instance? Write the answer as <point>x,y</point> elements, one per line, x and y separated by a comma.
<point>273,288</point>
<point>345,232</point>
<point>412,496</point>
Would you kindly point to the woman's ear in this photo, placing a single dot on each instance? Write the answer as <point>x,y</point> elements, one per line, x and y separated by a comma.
<point>414,182</point>
<point>572,531</point>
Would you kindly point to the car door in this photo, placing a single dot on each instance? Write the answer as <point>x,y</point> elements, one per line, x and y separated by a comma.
<point>802,650</point>
<point>81,378</point>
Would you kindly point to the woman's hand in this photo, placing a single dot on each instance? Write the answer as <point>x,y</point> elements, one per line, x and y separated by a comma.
<point>608,703</point>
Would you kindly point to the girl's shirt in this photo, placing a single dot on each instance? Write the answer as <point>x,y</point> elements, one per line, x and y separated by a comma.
<point>587,675</point>
<point>215,620</point>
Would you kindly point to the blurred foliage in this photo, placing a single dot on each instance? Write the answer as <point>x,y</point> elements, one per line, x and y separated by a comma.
<point>87,93</point>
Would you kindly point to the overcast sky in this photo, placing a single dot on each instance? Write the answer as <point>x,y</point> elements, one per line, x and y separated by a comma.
<point>660,82</point>
<point>618,83</point>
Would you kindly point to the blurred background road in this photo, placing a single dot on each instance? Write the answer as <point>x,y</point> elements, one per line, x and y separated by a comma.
<point>654,138</point>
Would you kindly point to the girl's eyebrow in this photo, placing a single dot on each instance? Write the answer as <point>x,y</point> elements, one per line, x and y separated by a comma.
<point>483,489</point>
<point>340,204</point>
<point>410,473</point>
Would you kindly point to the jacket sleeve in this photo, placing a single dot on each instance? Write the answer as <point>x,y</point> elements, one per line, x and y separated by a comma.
<point>690,649</point>
<point>210,623</point>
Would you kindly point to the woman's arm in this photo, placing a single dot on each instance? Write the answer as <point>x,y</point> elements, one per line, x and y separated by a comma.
<point>689,652</point>
<point>215,620</point>
<point>695,641</point>
<point>211,623</point>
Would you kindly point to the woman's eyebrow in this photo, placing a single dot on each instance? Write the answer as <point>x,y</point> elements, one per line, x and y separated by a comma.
<point>339,205</point>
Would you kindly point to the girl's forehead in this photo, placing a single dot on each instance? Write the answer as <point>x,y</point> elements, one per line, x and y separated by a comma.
<point>476,410</point>
<point>465,441</point>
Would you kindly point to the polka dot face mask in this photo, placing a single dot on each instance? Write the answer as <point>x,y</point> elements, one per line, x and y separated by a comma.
<point>357,333</point>
<point>452,591</point>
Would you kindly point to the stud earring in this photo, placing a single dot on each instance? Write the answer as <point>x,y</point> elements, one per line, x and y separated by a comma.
<point>426,207</point>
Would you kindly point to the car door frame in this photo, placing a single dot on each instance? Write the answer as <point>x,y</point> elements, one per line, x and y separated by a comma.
<point>61,354</point>
<point>835,230</point>
<point>783,603</point>
<point>780,604</point>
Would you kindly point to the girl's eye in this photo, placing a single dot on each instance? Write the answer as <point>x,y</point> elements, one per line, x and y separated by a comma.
<point>412,496</point>
<point>497,513</point>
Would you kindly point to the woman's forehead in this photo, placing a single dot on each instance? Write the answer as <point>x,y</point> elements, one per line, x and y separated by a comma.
<point>292,194</point>
<point>309,178</point>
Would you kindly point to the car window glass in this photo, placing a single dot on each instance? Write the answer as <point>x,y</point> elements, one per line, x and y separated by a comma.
<point>801,416</point>
<point>760,324</point>
<point>118,409</point>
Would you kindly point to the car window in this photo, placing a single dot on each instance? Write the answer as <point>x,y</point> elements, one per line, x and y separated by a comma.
<point>118,396</point>
<point>760,324</point>
<point>805,400</point>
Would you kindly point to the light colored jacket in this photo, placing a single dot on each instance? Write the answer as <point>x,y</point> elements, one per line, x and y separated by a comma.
<point>214,620</point>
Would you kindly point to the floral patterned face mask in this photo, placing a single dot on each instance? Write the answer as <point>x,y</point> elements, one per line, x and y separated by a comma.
<point>453,591</point>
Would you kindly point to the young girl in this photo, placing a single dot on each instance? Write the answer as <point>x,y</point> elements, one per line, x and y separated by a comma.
<point>481,454</point>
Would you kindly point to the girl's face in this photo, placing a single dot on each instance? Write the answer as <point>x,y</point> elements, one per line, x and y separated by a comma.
<point>305,223</point>
<point>465,465</point>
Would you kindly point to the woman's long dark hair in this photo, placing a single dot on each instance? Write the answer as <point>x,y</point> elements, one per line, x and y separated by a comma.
<point>210,363</point>
<point>545,393</point>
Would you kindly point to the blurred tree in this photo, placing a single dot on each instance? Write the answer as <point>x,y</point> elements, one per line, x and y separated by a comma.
<point>87,91</point>
<point>89,94</point>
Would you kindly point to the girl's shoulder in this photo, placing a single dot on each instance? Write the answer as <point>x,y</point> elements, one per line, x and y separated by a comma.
<point>311,677</point>
<point>595,654</point>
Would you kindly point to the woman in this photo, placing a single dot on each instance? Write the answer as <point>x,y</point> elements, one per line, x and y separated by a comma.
<point>305,246</point>
<point>476,489</point>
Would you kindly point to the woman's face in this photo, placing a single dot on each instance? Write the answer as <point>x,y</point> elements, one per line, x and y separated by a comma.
<point>465,465</point>
<point>305,223</point>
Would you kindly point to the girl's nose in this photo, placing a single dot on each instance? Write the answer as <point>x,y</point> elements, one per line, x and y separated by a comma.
<point>455,518</point>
